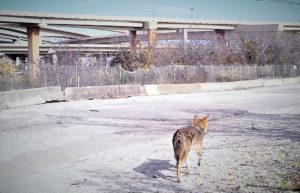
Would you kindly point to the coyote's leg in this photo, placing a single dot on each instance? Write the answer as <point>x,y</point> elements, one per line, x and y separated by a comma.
<point>180,163</point>
<point>188,164</point>
<point>178,167</point>
<point>199,152</point>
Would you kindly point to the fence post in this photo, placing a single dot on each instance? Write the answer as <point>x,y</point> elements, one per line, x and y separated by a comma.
<point>255,71</point>
<point>294,70</point>
<point>174,73</point>
<point>136,76</point>
<point>140,75</point>
<point>222,70</point>
<point>201,72</point>
<point>248,70</point>
<point>212,72</point>
<point>232,71</point>
<point>99,74</point>
<point>120,75</point>
<point>45,76</point>
<point>262,71</point>
<point>273,71</point>
<point>280,71</point>
<point>11,75</point>
<point>195,74</point>
<point>77,75</point>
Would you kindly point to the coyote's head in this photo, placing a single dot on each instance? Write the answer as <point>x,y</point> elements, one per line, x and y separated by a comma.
<point>201,122</point>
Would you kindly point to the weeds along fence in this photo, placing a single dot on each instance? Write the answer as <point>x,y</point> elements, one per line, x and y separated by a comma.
<point>247,56</point>
<point>98,74</point>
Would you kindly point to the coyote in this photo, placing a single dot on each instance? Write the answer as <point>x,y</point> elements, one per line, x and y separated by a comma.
<point>186,138</point>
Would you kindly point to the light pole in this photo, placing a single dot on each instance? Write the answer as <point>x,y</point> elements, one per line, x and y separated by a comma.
<point>192,9</point>
<point>153,14</point>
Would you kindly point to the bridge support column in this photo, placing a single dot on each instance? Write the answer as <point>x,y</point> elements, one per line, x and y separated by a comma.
<point>132,40</point>
<point>151,38</point>
<point>33,33</point>
<point>182,34</point>
<point>221,43</point>
<point>151,44</point>
<point>185,36</point>
<point>151,26</point>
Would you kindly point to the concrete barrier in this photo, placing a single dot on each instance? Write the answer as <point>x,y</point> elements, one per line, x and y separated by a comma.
<point>104,92</point>
<point>164,89</point>
<point>19,98</point>
<point>215,86</point>
<point>237,85</point>
<point>151,90</point>
<point>246,84</point>
<point>291,80</point>
<point>273,82</point>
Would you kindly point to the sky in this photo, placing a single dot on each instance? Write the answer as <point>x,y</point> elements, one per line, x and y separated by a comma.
<point>233,10</point>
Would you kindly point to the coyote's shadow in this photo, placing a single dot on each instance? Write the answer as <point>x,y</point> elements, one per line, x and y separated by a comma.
<point>154,168</point>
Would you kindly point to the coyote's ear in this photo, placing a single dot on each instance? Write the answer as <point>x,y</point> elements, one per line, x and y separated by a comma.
<point>196,118</point>
<point>205,117</point>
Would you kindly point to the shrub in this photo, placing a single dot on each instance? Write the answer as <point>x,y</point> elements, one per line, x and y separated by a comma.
<point>132,60</point>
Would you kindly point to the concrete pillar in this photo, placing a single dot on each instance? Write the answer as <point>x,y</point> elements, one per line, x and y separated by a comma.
<point>151,38</point>
<point>151,26</point>
<point>33,33</point>
<point>185,36</point>
<point>132,40</point>
<point>17,61</point>
<point>221,43</point>
<point>280,28</point>
<point>151,44</point>
<point>182,34</point>
<point>54,59</point>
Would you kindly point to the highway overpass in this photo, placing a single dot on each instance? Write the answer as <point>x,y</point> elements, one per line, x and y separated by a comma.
<point>39,30</point>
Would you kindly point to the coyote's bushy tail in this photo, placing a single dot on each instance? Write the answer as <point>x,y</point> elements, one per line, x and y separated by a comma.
<point>177,144</point>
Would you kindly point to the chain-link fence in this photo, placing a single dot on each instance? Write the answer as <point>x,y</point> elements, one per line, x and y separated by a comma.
<point>174,61</point>
<point>98,73</point>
